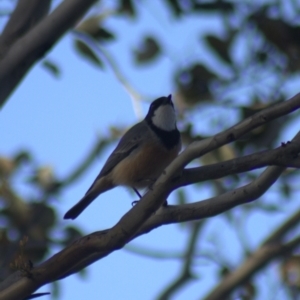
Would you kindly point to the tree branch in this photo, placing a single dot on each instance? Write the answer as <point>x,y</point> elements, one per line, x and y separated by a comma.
<point>215,205</point>
<point>285,156</point>
<point>35,43</point>
<point>25,16</point>
<point>270,249</point>
<point>280,232</point>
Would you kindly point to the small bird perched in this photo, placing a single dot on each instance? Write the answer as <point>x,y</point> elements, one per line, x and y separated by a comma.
<point>143,152</point>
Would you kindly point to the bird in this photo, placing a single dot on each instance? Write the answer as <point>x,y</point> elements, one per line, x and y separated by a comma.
<point>141,155</point>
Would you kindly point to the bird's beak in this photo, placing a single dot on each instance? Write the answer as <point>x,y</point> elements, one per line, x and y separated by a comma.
<point>169,100</point>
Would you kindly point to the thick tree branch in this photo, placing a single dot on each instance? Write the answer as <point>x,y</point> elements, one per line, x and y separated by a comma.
<point>135,222</point>
<point>36,42</point>
<point>25,16</point>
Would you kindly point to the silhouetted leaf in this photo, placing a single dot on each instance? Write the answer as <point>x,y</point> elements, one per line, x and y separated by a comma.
<point>214,6</point>
<point>89,25</point>
<point>147,51</point>
<point>282,35</point>
<point>84,50</point>
<point>104,35</point>
<point>92,26</point>
<point>262,56</point>
<point>22,156</point>
<point>224,271</point>
<point>181,197</point>
<point>127,7</point>
<point>286,190</point>
<point>193,84</point>
<point>221,47</point>
<point>175,7</point>
<point>290,272</point>
<point>51,67</point>
<point>277,31</point>
<point>270,207</point>
<point>71,234</point>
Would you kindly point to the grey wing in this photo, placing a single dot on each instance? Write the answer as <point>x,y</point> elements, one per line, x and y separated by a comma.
<point>128,143</point>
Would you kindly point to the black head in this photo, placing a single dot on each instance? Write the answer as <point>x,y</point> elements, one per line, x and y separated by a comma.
<point>161,114</point>
<point>157,103</point>
<point>161,118</point>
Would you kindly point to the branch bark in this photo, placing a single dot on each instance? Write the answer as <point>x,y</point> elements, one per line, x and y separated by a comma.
<point>25,16</point>
<point>28,49</point>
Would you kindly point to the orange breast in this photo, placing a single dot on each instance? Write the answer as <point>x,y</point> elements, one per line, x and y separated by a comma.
<point>143,167</point>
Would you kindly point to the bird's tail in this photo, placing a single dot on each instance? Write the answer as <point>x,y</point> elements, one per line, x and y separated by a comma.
<point>78,208</point>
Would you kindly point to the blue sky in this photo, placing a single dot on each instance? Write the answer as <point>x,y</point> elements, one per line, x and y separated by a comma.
<point>59,120</point>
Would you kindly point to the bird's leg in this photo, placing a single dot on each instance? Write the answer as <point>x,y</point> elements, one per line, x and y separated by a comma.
<point>139,195</point>
<point>137,192</point>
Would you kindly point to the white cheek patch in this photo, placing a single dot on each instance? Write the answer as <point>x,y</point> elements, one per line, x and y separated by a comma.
<point>164,118</point>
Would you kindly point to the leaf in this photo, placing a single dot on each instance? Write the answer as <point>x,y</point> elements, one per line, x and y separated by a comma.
<point>51,67</point>
<point>269,207</point>
<point>214,6</point>
<point>92,26</point>
<point>286,190</point>
<point>281,34</point>
<point>224,271</point>
<point>181,197</point>
<point>147,51</point>
<point>290,271</point>
<point>104,35</point>
<point>261,56</point>
<point>127,7</point>
<point>193,83</point>
<point>221,47</point>
<point>84,50</point>
<point>72,233</point>
<point>175,7</point>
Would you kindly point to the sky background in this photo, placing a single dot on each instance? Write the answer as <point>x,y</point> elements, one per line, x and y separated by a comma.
<point>59,120</point>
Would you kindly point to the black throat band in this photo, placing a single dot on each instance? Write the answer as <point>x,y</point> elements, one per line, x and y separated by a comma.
<point>169,139</point>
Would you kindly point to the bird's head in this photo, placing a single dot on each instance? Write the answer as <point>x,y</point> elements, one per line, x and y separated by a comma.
<point>161,114</point>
